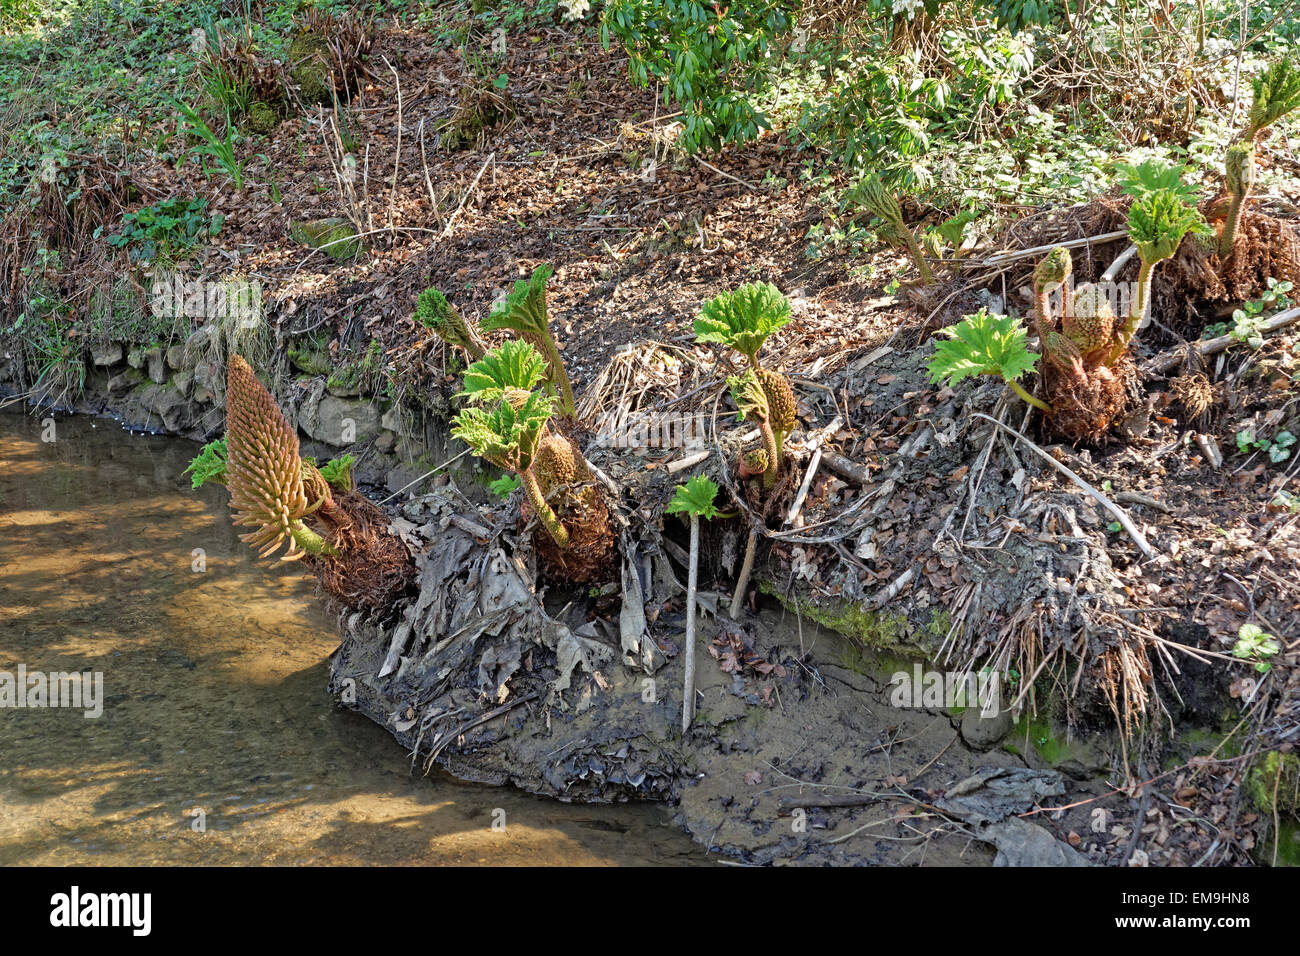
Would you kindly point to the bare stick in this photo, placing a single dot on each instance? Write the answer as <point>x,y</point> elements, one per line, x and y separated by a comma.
<point>1072,244</point>
<point>1169,360</point>
<point>1120,514</point>
<point>688,694</point>
<point>397,160</point>
<point>815,443</point>
<point>465,198</point>
<point>746,569</point>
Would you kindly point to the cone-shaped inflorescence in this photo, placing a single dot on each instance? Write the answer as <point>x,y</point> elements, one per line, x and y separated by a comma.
<point>1239,177</point>
<point>264,471</point>
<point>1090,323</point>
<point>1157,222</point>
<point>435,312</point>
<point>871,194</point>
<point>524,312</point>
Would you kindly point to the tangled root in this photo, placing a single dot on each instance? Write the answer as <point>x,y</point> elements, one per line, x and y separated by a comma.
<point>372,567</point>
<point>1195,280</point>
<point>1194,394</point>
<point>590,556</point>
<point>1087,406</point>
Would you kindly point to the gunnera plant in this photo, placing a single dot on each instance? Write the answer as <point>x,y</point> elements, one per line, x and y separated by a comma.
<point>742,320</point>
<point>1277,93</point>
<point>508,424</point>
<point>433,311</point>
<point>1239,180</point>
<point>524,313</point>
<point>280,495</point>
<point>871,194</point>
<point>1158,221</point>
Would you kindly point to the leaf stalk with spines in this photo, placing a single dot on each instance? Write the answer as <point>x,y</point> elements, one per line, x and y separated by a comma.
<point>524,312</point>
<point>435,312</point>
<point>1239,178</point>
<point>1157,223</point>
<point>872,195</point>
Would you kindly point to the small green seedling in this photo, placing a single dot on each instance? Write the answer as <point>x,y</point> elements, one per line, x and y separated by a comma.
<point>504,486</point>
<point>1255,645</point>
<point>985,344</point>
<point>1278,448</point>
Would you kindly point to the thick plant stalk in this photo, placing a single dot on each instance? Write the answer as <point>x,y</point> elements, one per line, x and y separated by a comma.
<point>545,513</point>
<point>688,693</point>
<point>559,375</point>
<point>746,569</point>
<point>1239,176</point>
<point>1136,311</point>
<point>914,248</point>
<point>773,453</point>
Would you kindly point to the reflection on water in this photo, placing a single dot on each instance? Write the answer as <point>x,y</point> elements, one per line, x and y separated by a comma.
<point>214,687</point>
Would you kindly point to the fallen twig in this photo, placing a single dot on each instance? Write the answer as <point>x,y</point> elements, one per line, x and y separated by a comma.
<point>1172,358</point>
<point>1035,250</point>
<point>1120,514</point>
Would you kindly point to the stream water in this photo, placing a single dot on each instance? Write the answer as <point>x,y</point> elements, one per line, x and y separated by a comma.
<point>217,743</point>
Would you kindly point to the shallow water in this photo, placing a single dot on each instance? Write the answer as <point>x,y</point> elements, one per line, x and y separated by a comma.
<point>214,693</point>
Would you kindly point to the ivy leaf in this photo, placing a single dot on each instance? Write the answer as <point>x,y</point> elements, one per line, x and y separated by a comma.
<point>695,498</point>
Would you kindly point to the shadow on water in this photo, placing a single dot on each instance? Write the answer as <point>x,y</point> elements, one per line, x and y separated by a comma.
<point>214,693</point>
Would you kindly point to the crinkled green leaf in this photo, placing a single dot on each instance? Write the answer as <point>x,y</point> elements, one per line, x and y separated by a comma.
<point>511,365</point>
<point>1158,221</point>
<point>208,465</point>
<point>750,396</point>
<point>743,319</point>
<point>524,309</point>
<point>695,498</point>
<point>982,344</point>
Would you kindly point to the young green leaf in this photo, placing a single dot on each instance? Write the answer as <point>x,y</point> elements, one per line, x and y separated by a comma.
<point>1158,221</point>
<point>982,344</point>
<point>1154,176</point>
<point>338,472</point>
<point>524,309</point>
<point>750,398</point>
<point>504,435</point>
<point>208,465</point>
<point>514,364</point>
<point>744,318</point>
<point>1277,92</point>
<point>695,498</point>
<point>504,486</point>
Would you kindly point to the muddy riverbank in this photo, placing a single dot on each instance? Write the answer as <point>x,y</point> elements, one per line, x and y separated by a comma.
<point>214,693</point>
